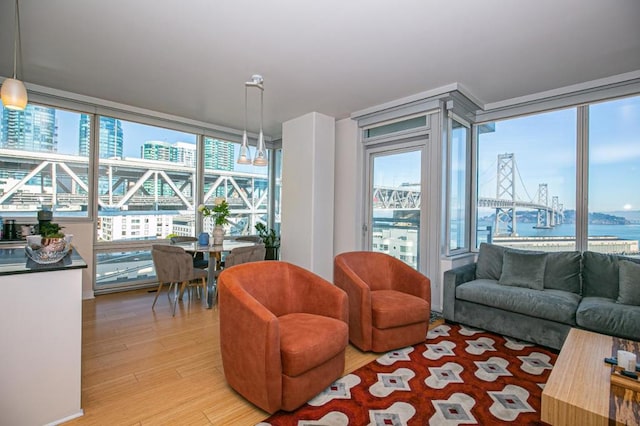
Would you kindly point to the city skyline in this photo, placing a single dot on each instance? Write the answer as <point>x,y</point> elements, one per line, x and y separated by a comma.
<point>70,132</point>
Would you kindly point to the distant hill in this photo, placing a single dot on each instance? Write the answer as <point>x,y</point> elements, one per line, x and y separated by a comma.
<point>609,218</point>
<point>631,215</point>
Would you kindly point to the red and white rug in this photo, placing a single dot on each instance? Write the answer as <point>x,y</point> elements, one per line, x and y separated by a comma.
<point>459,376</point>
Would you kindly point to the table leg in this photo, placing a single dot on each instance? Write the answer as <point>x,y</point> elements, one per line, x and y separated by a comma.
<point>212,290</point>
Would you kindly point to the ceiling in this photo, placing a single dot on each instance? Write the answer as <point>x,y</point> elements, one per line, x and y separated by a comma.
<point>190,58</point>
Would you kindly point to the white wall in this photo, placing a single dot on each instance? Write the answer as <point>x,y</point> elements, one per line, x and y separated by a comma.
<point>347,227</point>
<point>308,146</point>
<point>83,243</point>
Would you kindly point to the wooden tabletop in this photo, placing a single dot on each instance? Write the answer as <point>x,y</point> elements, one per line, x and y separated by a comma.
<point>579,390</point>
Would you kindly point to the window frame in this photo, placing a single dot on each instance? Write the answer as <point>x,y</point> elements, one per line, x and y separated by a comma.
<point>449,252</point>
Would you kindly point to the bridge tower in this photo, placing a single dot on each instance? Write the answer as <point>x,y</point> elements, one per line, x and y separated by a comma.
<point>543,214</point>
<point>560,213</point>
<point>506,191</point>
<point>555,210</point>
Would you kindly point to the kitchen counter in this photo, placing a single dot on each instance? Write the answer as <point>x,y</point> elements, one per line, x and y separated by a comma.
<point>15,261</point>
<point>41,335</point>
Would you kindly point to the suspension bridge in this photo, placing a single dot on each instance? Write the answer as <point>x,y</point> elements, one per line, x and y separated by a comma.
<point>507,201</point>
<point>550,211</point>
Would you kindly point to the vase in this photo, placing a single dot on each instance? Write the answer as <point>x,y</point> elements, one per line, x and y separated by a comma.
<point>203,239</point>
<point>218,235</point>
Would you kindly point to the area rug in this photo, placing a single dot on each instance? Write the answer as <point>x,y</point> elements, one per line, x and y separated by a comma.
<point>459,376</point>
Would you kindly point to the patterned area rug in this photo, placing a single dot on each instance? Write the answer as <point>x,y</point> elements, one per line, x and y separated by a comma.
<point>460,376</point>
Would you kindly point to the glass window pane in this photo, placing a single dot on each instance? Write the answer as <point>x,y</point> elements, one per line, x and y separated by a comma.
<point>614,165</point>
<point>396,205</point>
<point>122,268</point>
<point>526,182</point>
<point>244,186</point>
<point>458,187</point>
<point>42,164</point>
<point>146,181</point>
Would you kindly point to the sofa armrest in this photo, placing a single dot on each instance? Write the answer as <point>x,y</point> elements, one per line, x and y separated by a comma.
<point>452,279</point>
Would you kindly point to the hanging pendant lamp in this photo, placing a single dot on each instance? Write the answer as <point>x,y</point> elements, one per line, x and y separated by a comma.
<point>13,92</point>
<point>261,151</point>
<point>244,157</point>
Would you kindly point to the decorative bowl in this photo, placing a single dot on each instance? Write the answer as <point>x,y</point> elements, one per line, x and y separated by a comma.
<point>45,255</point>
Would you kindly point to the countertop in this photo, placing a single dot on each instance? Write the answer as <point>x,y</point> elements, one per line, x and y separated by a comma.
<point>15,261</point>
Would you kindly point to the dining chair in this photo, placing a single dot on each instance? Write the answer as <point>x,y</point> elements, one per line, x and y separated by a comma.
<point>243,255</point>
<point>199,260</point>
<point>175,266</point>
<point>237,256</point>
<point>389,301</point>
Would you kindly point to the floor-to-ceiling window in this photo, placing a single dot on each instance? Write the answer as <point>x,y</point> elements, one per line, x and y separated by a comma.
<point>614,170</point>
<point>395,152</point>
<point>42,166</point>
<point>145,184</point>
<point>529,177</point>
<point>458,186</point>
<point>395,194</point>
<point>526,174</point>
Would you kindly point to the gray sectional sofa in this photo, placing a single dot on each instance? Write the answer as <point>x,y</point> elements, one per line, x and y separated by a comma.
<point>539,297</point>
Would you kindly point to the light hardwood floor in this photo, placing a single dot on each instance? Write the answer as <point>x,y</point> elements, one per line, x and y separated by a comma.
<point>144,367</point>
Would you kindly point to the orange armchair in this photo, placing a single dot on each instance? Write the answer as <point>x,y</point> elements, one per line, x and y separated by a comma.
<point>389,302</point>
<point>283,333</point>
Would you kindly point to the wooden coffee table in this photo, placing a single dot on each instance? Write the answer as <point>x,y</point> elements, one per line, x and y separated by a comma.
<point>579,390</point>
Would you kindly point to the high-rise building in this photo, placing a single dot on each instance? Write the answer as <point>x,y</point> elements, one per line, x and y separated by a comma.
<point>34,129</point>
<point>156,150</point>
<point>110,137</point>
<point>183,153</point>
<point>218,155</point>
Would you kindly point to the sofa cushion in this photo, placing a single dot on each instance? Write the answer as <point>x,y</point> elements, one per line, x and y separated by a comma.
<point>600,274</point>
<point>391,308</point>
<point>489,265</point>
<point>307,341</point>
<point>522,269</point>
<point>629,293</point>
<point>605,316</point>
<point>554,305</point>
<point>562,271</point>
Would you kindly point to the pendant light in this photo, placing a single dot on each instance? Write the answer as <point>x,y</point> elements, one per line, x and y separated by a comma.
<point>13,92</point>
<point>244,156</point>
<point>261,151</point>
<point>260,158</point>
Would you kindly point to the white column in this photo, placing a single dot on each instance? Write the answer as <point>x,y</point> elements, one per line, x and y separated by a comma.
<point>308,147</point>
<point>347,228</point>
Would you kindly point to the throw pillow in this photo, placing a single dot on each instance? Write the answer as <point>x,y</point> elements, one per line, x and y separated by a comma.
<point>629,283</point>
<point>523,269</point>
<point>562,271</point>
<point>489,264</point>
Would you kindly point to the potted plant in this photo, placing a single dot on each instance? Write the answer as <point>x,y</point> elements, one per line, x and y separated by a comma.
<point>220,213</point>
<point>52,237</point>
<point>270,239</point>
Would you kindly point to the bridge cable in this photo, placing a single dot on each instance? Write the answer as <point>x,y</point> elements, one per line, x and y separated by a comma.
<point>515,164</point>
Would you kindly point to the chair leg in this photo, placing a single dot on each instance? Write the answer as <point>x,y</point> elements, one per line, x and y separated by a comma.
<point>175,297</point>
<point>157,294</point>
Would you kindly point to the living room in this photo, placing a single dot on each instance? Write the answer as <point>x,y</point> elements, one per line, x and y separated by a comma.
<point>184,68</point>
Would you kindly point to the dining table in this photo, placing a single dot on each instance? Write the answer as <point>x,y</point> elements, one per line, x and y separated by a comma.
<point>215,258</point>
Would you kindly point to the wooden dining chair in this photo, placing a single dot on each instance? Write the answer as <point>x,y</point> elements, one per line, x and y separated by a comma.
<point>174,266</point>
